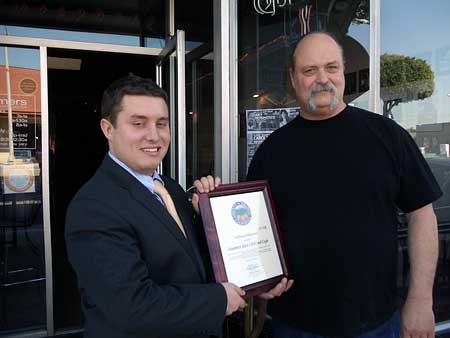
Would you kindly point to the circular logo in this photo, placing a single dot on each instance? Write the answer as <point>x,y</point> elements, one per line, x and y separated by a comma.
<point>28,86</point>
<point>241,213</point>
<point>20,181</point>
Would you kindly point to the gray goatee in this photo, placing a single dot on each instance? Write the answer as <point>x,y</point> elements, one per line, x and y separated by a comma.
<point>329,87</point>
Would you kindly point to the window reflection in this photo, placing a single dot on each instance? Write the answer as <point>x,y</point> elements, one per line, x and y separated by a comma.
<point>267,36</point>
<point>415,81</point>
<point>22,275</point>
<point>56,34</point>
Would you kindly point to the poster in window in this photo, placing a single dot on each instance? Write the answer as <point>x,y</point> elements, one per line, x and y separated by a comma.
<point>262,122</point>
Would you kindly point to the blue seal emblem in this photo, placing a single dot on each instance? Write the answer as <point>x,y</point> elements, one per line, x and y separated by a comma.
<point>241,213</point>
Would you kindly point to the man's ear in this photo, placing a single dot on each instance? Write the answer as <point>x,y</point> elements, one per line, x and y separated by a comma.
<point>292,77</point>
<point>107,128</point>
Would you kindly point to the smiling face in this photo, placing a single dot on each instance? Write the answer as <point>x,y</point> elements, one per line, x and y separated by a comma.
<point>141,135</point>
<point>318,76</point>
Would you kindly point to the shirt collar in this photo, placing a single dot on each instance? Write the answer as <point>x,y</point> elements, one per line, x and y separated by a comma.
<point>146,180</point>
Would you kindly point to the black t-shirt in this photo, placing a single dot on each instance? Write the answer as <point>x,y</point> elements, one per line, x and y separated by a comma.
<point>336,186</point>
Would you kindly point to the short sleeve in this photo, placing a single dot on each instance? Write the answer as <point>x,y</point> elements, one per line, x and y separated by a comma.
<point>418,187</point>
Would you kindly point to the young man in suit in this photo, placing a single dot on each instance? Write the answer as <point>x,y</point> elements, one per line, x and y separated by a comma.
<point>140,273</point>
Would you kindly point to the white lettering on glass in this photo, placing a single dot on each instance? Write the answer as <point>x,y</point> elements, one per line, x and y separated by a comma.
<point>269,6</point>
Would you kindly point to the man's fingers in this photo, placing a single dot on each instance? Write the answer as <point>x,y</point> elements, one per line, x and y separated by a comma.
<point>289,284</point>
<point>234,297</point>
<point>195,203</point>
<point>210,182</point>
<point>266,296</point>
<point>280,287</point>
<point>198,185</point>
<point>205,184</point>
<point>242,304</point>
<point>240,291</point>
<point>283,286</point>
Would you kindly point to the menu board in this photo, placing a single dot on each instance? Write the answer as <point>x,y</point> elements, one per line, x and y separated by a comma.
<point>23,121</point>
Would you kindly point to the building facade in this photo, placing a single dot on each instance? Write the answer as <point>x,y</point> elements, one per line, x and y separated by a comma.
<point>224,64</point>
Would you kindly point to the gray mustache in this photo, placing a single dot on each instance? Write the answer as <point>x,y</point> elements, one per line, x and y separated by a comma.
<point>323,88</point>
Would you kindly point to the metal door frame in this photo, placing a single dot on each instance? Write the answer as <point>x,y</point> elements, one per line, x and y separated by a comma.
<point>176,44</point>
<point>43,45</point>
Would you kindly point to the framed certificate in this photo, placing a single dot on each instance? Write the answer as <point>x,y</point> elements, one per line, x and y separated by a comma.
<point>243,236</point>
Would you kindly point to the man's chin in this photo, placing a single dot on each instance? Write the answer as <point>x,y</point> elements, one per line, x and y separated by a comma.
<point>320,105</point>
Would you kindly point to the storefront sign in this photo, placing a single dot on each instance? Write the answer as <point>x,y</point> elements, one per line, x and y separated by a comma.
<point>269,6</point>
<point>262,122</point>
<point>24,121</point>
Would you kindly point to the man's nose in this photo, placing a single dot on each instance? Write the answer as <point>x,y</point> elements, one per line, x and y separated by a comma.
<point>152,133</point>
<point>321,76</point>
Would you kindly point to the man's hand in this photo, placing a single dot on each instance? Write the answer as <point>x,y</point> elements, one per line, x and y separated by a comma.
<point>417,320</point>
<point>204,184</point>
<point>283,286</point>
<point>234,298</point>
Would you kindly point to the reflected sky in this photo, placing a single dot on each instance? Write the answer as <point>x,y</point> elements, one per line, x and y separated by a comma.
<point>421,30</point>
<point>21,57</point>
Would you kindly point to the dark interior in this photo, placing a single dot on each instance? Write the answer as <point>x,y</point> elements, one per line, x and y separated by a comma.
<point>78,148</point>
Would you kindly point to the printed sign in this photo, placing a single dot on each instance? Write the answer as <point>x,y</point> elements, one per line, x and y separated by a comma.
<point>19,178</point>
<point>24,121</point>
<point>262,122</point>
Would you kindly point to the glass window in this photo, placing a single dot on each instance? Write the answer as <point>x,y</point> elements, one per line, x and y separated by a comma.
<point>199,119</point>
<point>267,36</point>
<point>415,92</point>
<point>22,266</point>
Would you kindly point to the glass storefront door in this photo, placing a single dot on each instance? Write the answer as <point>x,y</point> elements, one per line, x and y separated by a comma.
<point>188,79</point>
<point>76,81</point>
<point>170,71</point>
<point>22,265</point>
<point>200,113</point>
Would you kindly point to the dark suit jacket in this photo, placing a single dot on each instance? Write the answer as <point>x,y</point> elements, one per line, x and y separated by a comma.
<point>137,273</point>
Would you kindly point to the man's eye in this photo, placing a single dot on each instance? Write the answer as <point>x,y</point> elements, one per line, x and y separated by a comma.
<point>137,124</point>
<point>308,71</point>
<point>162,124</point>
<point>333,68</point>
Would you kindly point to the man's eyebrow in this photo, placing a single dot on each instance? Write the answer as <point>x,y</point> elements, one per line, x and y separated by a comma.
<point>139,117</point>
<point>317,66</point>
<point>309,66</point>
<point>163,119</point>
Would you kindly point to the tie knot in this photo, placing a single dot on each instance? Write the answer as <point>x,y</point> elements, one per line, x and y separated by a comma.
<point>159,188</point>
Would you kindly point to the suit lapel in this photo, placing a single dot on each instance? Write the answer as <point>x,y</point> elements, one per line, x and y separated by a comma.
<point>143,196</point>
<point>149,201</point>
<point>186,219</point>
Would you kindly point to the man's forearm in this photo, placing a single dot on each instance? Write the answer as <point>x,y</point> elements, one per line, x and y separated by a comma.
<point>423,252</point>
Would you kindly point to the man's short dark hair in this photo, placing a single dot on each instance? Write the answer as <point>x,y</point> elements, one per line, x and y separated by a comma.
<point>128,85</point>
<point>329,34</point>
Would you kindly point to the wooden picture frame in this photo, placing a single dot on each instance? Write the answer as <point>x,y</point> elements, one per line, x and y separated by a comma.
<point>243,236</point>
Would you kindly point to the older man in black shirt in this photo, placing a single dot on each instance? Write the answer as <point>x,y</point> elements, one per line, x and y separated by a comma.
<point>336,190</point>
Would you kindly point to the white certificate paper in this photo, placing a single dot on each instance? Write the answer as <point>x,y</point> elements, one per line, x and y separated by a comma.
<point>247,242</point>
